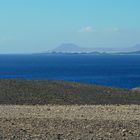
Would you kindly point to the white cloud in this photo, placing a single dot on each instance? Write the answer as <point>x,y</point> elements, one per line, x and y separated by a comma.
<point>88,29</point>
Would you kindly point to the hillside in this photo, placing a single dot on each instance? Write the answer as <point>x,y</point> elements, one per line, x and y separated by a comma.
<point>61,92</point>
<point>69,48</point>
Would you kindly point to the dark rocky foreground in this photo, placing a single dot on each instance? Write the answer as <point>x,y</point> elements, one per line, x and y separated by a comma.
<point>34,92</point>
<point>95,122</point>
<point>58,129</point>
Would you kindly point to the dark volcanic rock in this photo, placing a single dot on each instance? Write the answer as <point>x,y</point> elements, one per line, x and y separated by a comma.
<point>62,92</point>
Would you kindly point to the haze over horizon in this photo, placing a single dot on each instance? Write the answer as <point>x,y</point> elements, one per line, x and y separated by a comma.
<point>37,26</point>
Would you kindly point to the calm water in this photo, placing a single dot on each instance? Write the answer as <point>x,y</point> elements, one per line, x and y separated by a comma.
<point>116,71</point>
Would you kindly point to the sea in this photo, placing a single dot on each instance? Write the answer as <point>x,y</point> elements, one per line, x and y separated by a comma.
<point>121,71</point>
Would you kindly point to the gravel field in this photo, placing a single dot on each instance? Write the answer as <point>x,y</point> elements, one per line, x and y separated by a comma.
<point>49,122</point>
<point>92,112</point>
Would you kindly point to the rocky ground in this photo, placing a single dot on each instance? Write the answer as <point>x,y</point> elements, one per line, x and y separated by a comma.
<point>60,110</point>
<point>33,92</point>
<point>92,122</point>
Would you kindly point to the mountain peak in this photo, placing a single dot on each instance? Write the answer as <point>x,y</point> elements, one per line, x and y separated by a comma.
<point>68,48</point>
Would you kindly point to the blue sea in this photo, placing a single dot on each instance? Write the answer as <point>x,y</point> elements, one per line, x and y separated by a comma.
<point>110,70</point>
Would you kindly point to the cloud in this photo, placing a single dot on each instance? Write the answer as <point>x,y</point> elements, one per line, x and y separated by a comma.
<point>87,29</point>
<point>90,29</point>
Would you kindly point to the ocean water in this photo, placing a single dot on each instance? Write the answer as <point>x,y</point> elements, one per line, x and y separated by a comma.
<point>110,70</point>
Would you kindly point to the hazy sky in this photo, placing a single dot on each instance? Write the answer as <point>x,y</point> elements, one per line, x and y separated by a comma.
<point>39,25</point>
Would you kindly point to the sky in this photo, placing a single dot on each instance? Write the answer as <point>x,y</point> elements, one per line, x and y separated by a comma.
<point>28,26</point>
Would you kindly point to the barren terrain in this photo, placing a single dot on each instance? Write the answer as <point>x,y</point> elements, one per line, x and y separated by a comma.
<point>70,122</point>
<point>60,110</point>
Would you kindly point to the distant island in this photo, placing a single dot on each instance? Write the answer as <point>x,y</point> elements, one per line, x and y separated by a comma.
<point>75,49</point>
